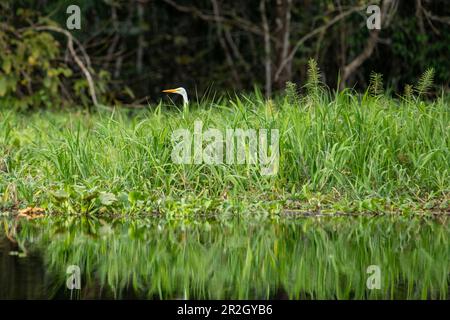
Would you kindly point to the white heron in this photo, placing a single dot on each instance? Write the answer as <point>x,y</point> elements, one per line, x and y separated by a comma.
<point>182,92</point>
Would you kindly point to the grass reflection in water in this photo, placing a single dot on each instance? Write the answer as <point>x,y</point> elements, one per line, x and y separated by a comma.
<point>320,258</point>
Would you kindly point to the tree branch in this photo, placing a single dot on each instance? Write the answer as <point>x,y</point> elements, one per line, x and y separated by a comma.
<point>312,34</point>
<point>223,42</point>
<point>369,48</point>
<point>70,41</point>
<point>236,21</point>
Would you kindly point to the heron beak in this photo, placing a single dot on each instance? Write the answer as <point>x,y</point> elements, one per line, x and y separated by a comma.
<point>170,91</point>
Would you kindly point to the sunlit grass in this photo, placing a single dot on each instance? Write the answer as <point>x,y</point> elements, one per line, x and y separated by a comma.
<point>340,149</point>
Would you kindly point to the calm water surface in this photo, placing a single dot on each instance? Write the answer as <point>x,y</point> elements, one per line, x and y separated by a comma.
<point>284,258</point>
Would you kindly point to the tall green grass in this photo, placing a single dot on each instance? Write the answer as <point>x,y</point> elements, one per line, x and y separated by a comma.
<point>337,151</point>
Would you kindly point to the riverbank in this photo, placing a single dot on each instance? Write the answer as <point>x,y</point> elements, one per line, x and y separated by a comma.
<point>336,153</point>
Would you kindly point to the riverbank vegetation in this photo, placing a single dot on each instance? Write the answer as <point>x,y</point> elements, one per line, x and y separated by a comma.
<point>339,152</point>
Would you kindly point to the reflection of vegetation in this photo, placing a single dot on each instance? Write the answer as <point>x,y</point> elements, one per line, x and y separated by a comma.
<point>301,258</point>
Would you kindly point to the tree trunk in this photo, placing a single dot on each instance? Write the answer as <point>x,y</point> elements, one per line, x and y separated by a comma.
<point>141,38</point>
<point>267,49</point>
<point>283,44</point>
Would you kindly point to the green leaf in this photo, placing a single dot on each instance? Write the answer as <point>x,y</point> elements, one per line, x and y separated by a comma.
<point>135,196</point>
<point>7,66</point>
<point>3,86</point>
<point>107,198</point>
<point>60,195</point>
<point>123,199</point>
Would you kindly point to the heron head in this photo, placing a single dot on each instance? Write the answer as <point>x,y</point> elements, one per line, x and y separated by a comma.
<point>181,91</point>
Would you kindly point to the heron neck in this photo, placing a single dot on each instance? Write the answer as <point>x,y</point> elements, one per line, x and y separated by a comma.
<point>185,99</point>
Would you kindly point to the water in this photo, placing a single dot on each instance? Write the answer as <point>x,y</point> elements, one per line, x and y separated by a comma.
<point>284,258</point>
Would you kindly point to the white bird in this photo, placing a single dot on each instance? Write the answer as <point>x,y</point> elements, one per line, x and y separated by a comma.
<point>181,91</point>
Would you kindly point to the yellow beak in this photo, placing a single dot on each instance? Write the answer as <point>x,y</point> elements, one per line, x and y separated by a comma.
<point>170,91</point>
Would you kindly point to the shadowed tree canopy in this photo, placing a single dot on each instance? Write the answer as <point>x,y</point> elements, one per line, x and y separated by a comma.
<point>132,49</point>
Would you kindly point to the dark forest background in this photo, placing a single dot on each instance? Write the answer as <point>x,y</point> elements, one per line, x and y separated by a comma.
<point>132,49</point>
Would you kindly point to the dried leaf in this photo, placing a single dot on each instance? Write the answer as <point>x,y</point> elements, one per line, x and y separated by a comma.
<point>31,213</point>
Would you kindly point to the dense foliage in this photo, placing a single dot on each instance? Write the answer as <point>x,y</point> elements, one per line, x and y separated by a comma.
<point>338,152</point>
<point>136,48</point>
